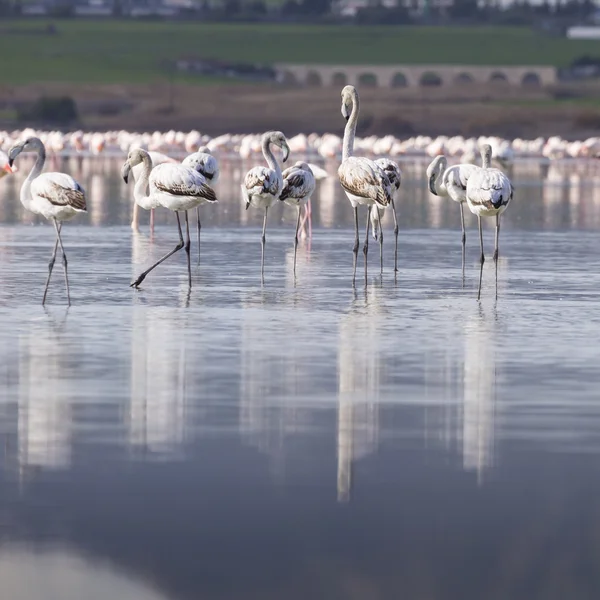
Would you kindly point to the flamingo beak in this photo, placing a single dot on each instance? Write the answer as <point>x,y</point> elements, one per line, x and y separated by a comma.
<point>432,185</point>
<point>8,167</point>
<point>125,170</point>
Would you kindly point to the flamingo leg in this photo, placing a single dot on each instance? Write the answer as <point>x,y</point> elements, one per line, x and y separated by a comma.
<point>482,259</point>
<point>480,278</point>
<point>366,244</point>
<point>188,245</point>
<point>64,261</point>
<point>152,220</point>
<point>356,244</point>
<point>50,267</point>
<point>497,237</point>
<point>179,246</point>
<point>296,238</point>
<point>464,240</point>
<point>263,241</point>
<point>134,218</point>
<point>303,222</point>
<point>309,214</point>
<point>396,236</point>
<point>380,245</point>
<point>199,228</point>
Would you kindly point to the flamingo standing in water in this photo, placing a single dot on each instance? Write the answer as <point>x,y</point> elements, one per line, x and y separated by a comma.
<point>451,182</point>
<point>262,185</point>
<point>394,175</point>
<point>363,180</point>
<point>298,186</point>
<point>207,165</point>
<point>178,188</point>
<point>489,192</point>
<point>156,158</point>
<point>55,196</point>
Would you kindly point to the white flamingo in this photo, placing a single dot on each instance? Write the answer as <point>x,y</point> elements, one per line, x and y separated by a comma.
<point>207,165</point>
<point>394,175</point>
<point>142,160</point>
<point>363,180</point>
<point>156,158</point>
<point>178,188</point>
<point>489,192</point>
<point>450,182</point>
<point>262,185</point>
<point>298,186</point>
<point>55,196</point>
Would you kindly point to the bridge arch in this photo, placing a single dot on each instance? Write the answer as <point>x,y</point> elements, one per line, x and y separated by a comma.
<point>531,79</point>
<point>314,79</point>
<point>339,79</point>
<point>367,80</point>
<point>399,80</point>
<point>498,77</point>
<point>430,79</point>
<point>464,79</point>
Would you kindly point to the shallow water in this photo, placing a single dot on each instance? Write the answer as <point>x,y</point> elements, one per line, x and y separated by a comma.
<point>303,438</point>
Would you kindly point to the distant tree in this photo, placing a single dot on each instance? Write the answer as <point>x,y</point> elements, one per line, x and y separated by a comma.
<point>59,111</point>
<point>232,7</point>
<point>316,7</point>
<point>463,8</point>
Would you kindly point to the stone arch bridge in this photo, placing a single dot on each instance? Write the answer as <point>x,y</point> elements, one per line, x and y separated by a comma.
<point>412,76</point>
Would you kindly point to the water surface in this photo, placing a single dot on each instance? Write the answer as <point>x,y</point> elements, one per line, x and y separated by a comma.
<point>303,438</point>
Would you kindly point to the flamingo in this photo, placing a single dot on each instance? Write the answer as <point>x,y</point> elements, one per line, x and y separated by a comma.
<point>363,180</point>
<point>489,192</point>
<point>298,186</point>
<point>5,167</point>
<point>450,182</point>
<point>262,185</point>
<point>207,165</point>
<point>178,188</point>
<point>55,196</point>
<point>394,175</point>
<point>156,158</point>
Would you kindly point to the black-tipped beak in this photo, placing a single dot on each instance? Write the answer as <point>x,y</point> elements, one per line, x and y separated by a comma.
<point>286,153</point>
<point>347,118</point>
<point>11,161</point>
<point>125,170</point>
<point>432,185</point>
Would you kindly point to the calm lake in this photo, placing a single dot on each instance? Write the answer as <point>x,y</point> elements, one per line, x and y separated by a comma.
<point>303,438</point>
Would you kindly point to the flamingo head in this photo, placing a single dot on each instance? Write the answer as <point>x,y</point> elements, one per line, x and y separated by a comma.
<point>349,98</point>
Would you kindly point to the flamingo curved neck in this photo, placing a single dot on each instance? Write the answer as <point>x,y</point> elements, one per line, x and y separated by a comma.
<point>350,130</point>
<point>439,179</point>
<point>270,157</point>
<point>486,160</point>
<point>26,198</point>
<point>140,191</point>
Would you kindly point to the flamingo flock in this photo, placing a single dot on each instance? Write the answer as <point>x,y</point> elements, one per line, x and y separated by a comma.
<point>162,181</point>
<point>325,146</point>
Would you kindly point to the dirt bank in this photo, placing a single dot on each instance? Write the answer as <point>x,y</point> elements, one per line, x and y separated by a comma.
<point>570,111</point>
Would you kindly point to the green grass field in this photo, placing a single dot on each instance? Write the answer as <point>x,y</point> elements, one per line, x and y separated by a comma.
<point>87,51</point>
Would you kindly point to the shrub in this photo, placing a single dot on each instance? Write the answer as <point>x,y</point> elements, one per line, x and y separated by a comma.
<point>59,111</point>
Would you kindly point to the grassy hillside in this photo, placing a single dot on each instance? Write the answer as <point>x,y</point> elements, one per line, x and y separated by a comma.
<point>137,52</point>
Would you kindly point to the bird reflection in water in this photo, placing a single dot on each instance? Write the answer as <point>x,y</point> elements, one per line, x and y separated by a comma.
<point>479,393</point>
<point>46,394</point>
<point>158,399</point>
<point>359,376</point>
